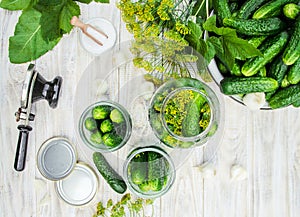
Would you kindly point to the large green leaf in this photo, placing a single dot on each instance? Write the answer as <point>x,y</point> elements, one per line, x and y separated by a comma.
<point>102,1</point>
<point>15,4</point>
<point>28,42</point>
<point>69,10</point>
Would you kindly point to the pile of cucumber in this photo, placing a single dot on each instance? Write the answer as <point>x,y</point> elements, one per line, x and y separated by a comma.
<point>274,28</point>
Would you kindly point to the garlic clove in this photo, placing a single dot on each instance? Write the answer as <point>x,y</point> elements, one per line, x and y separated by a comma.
<point>207,170</point>
<point>254,101</point>
<point>238,173</point>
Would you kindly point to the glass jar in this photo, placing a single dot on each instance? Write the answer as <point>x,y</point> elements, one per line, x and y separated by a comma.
<point>105,126</point>
<point>184,113</point>
<point>149,172</point>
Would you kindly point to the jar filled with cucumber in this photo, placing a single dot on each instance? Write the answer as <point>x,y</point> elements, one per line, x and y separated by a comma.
<point>184,113</point>
<point>273,27</point>
<point>149,172</point>
<point>105,126</point>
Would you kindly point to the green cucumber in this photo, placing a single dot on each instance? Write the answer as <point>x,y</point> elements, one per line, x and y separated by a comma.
<point>271,48</point>
<point>222,9</point>
<point>271,8</point>
<point>248,8</point>
<point>222,68</point>
<point>293,74</point>
<point>252,27</point>
<point>190,124</point>
<point>291,10</point>
<point>256,41</point>
<point>236,69</point>
<point>285,97</point>
<point>233,7</point>
<point>138,168</point>
<point>241,85</point>
<point>277,70</point>
<point>156,170</point>
<point>296,103</point>
<point>292,50</point>
<point>262,72</point>
<point>115,181</point>
<point>285,82</point>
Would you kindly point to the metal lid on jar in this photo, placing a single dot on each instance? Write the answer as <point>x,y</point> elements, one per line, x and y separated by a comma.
<point>56,158</point>
<point>79,187</point>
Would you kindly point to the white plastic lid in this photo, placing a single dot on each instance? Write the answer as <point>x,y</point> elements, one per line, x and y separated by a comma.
<point>106,27</point>
<point>79,187</point>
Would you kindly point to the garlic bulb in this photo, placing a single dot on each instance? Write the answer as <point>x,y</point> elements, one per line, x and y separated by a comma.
<point>238,173</point>
<point>207,170</point>
<point>254,101</point>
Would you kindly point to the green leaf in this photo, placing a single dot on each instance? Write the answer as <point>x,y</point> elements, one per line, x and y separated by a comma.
<point>240,48</point>
<point>194,35</point>
<point>50,15</point>
<point>229,46</point>
<point>85,1</point>
<point>210,25</point>
<point>102,1</point>
<point>15,4</point>
<point>28,42</point>
<point>69,10</point>
<point>51,2</point>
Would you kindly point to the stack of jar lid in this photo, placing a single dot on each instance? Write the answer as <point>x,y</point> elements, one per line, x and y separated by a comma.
<point>76,183</point>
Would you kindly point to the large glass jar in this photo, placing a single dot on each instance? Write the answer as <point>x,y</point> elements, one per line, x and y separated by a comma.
<point>149,171</point>
<point>184,113</point>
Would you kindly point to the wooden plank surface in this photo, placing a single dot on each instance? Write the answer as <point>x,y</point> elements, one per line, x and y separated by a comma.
<point>265,145</point>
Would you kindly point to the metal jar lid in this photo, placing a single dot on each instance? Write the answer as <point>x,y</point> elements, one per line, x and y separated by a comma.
<point>79,187</point>
<point>56,158</point>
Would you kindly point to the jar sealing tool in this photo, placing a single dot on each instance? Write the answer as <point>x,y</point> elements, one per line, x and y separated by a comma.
<point>92,32</point>
<point>35,87</point>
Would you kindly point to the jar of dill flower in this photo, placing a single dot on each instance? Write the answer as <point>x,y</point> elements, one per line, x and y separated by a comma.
<point>184,113</point>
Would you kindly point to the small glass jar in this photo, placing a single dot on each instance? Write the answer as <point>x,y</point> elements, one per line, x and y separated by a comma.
<point>149,172</point>
<point>105,126</point>
<point>184,113</point>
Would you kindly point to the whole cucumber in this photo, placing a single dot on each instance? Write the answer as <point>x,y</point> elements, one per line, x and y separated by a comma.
<point>115,181</point>
<point>222,9</point>
<point>293,74</point>
<point>252,27</point>
<point>271,8</point>
<point>292,51</point>
<point>271,48</point>
<point>285,97</point>
<point>242,85</point>
<point>277,70</point>
<point>249,7</point>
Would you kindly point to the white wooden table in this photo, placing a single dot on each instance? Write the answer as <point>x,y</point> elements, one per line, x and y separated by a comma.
<point>265,143</point>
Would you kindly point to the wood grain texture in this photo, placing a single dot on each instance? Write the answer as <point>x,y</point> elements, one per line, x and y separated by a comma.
<point>265,143</point>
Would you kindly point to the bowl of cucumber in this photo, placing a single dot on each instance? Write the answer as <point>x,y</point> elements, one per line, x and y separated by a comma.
<point>105,126</point>
<point>184,113</point>
<point>262,72</point>
<point>149,172</point>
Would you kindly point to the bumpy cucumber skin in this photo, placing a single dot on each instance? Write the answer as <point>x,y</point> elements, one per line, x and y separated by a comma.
<point>115,181</point>
<point>222,9</point>
<point>242,85</point>
<point>285,97</point>
<point>277,70</point>
<point>292,50</point>
<point>271,8</point>
<point>293,74</point>
<point>256,41</point>
<point>248,8</point>
<point>269,49</point>
<point>252,27</point>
